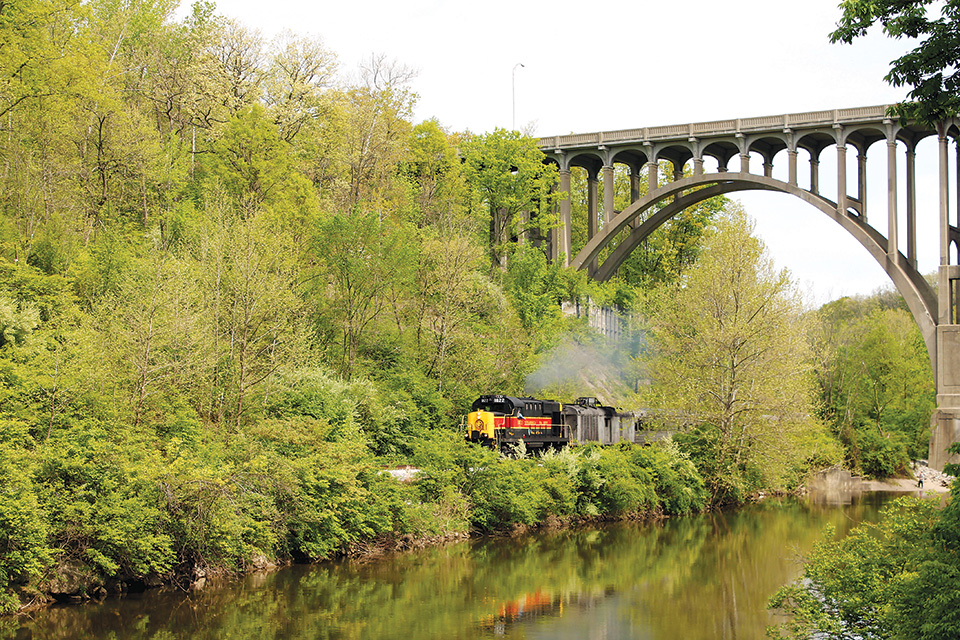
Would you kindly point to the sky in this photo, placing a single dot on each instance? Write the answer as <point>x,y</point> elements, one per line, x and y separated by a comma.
<point>611,64</point>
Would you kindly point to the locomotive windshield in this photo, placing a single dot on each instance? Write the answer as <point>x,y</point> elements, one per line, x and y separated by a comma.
<point>493,407</point>
<point>494,404</point>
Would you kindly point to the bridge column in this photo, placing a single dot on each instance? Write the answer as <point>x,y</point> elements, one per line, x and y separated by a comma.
<point>814,174</point>
<point>608,192</point>
<point>946,420</point>
<point>792,161</point>
<point>842,178</point>
<point>892,232</point>
<point>635,190</point>
<point>565,227</point>
<point>745,162</point>
<point>944,207</point>
<point>593,214</point>
<point>862,182</point>
<point>634,184</point>
<point>912,207</point>
<point>768,169</point>
<point>653,178</point>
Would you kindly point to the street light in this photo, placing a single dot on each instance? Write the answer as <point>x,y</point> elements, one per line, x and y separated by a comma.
<point>514,125</point>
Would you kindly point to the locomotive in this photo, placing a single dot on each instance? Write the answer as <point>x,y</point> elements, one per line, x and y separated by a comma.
<point>504,421</point>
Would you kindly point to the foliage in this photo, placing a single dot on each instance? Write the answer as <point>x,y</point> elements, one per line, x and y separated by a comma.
<point>508,176</point>
<point>875,381</point>
<point>731,360</point>
<point>895,579</point>
<point>929,69</point>
<point>23,532</point>
<point>500,492</point>
<point>235,285</point>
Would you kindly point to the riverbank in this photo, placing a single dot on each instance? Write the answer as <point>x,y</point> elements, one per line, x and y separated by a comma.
<point>933,482</point>
<point>836,479</point>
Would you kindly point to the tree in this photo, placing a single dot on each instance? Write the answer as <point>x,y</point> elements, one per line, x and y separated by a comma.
<point>377,130</point>
<point>300,71</point>
<point>363,256</point>
<point>931,69</point>
<point>731,358</point>
<point>252,305</point>
<point>875,381</point>
<point>507,172</point>
<point>434,172</point>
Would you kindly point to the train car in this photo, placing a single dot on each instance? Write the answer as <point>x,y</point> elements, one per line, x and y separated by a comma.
<point>502,421</point>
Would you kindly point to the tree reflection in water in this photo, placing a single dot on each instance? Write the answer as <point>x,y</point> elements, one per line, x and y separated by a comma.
<point>695,577</point>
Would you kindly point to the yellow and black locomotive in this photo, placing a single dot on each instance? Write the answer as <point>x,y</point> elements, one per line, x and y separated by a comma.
<point>501,421</point>
<point>498,421</point>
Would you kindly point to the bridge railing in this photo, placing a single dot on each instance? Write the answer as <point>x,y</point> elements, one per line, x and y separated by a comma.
<point>810,119</point>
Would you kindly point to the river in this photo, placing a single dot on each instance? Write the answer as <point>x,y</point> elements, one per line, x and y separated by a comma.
<point>706,576</point>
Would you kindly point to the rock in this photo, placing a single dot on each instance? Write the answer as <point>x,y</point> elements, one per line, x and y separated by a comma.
<point>72,580</point>
<point>261,562</point>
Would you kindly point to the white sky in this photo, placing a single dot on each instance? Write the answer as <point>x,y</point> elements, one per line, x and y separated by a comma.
<point>613,64</point>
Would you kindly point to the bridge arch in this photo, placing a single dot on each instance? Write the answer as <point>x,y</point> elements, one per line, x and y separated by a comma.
<point>686,192</point>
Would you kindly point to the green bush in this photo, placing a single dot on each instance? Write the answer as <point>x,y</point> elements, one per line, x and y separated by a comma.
<point>679,487</point>
<point>23,550</point>
<point>102,501</point>
<point>881,457</point>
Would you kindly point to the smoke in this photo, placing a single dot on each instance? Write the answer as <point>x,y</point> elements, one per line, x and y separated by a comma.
<point>591,366</point>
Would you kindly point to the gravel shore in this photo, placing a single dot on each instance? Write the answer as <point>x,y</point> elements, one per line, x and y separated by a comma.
<point>933,482</point>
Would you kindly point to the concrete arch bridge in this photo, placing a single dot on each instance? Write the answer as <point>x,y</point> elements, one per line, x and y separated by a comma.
<point>841,131</point>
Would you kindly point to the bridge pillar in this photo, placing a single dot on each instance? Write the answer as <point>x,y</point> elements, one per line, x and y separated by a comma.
<point>608,192</point>
<point>842,178</point>
<point>912,207</point>
<point>862,182</point>
<point>565,217</point>
<point>593,213</point>
<point>892,233</point>
<point>792,171</point>
<point>635,190</point>
<point>653,179</point>
<point>946,420</point>
<point>814,175</point>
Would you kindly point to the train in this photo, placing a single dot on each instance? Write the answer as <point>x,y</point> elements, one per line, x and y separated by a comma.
<point>503,422</point>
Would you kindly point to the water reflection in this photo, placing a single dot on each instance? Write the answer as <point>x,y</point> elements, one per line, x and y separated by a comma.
<point>699,577</point>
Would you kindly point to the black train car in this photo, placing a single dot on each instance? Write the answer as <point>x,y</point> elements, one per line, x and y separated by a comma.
<point>502,421</point>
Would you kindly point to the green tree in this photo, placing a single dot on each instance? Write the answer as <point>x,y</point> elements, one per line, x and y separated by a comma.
<point>731,358</point>
<point>931,68</point>
<point>875,381</point>
<point>376,131</point>
<point>300,72</point>
<point>506,171</point>
<point>251,304</point>
<point>363,257</point>
<point>434,171</point>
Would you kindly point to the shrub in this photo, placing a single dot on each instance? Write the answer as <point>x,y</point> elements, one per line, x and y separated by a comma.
<point>23,550</point>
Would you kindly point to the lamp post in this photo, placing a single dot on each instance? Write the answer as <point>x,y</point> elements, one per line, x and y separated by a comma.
<point>514,95</point>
